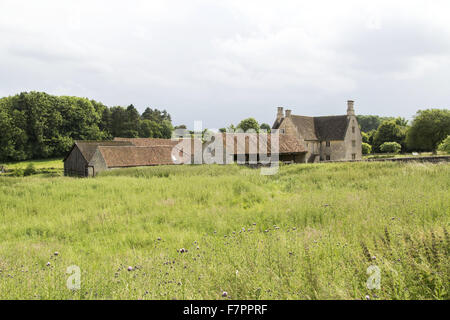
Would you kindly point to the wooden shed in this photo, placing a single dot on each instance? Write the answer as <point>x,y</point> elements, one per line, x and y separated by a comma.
<point>76,163</point>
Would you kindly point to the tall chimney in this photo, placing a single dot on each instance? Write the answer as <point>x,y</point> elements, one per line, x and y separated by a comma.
<point>288,113</point>
<point>350,109</point>
<point>280,113</point>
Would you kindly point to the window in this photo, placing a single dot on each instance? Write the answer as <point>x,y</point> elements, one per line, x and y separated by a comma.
<point>353,129</point>
<point>328,158</point>
<point>282,130</point>
<point>328,143</point>
<point>353,143</point>
<point>353,156</point>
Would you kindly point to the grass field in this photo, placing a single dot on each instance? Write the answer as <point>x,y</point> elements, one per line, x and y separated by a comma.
<point>309,232</point>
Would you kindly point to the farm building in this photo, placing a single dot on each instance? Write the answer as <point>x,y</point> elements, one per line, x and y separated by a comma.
<point>76,163</point>
<point>324,138</point>
<point>87,158</point>
<point>249,148</point>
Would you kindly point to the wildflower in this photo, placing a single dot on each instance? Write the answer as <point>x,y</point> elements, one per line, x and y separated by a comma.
<point>130,268</point>
<point>56,253</point>
<point>159,239</point>
<point>48,264</point>
<point>367,298</point>
<point>182,250</point>
<point>374,258</point>
<point>224,294</point>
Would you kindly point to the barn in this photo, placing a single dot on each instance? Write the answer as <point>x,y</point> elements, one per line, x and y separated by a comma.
<point>76,163</point>
<point>244,148</point>
<point>88,158</point>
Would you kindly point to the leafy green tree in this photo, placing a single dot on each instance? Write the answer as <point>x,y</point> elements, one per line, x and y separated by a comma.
<point>156,115</point>
<point>444,146</point>
<point>389,131</point>
<point>366,148</point>
<point>365,137</point>
<point>39,125</point>
<point>390,147</point>
<point>428,129</point>
<point>265,126</point>
<point>247,124</point>
<point>402,122</point>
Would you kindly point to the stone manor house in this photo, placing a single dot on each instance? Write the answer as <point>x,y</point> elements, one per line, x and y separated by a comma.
<point>324,138</point>
<point>301,139</point>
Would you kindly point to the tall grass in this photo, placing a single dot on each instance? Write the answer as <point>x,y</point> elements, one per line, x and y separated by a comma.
<point>309,232</point>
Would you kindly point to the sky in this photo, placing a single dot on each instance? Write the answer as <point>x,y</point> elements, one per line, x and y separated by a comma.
<point>222,61</point>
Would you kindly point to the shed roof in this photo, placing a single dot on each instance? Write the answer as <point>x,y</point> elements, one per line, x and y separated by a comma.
<point>153,142</point>
<point>148,142</point>
<point>133,156</point>
<point>88,147</point>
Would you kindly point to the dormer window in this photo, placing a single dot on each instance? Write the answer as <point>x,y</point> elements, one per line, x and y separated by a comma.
<point>353,129</point>
<point>282,131</point>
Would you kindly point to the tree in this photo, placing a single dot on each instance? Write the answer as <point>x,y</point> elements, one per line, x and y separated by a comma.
<point>388,131</point>
<point>265,126</point>
<point>390,147</point>
<point>366,148</point>
<point>444,146</point>
<point>428,129</point>
<point>365,137</point>
<point>39,125</point>
<point>156,115</point>
<point>247,124</point>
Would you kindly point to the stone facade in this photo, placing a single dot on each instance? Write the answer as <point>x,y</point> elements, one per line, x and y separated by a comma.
<point>324,138</point>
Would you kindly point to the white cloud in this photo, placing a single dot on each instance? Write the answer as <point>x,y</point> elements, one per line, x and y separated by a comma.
<point>224,60</point>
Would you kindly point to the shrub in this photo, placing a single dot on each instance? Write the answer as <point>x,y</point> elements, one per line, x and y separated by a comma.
<point>18,172</point>
<point>29,170</point>
<point>366,148</point>
<point>445,145</point>
<point>390,147</point>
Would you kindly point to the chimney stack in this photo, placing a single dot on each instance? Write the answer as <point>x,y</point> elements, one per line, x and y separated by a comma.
<point>280,113</point>
<point>288,113</point>
<point>350,109</point>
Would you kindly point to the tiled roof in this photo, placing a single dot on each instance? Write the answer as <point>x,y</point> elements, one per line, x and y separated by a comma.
<point>132,156</point>
<point>319,128</point>
<point>331,127</point>
<point>248,143</point>
<point>148,142</point>
<point>153,142</point>
<point>87,147</point>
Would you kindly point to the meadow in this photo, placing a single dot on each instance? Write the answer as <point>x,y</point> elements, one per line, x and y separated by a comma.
<point>194,232</point>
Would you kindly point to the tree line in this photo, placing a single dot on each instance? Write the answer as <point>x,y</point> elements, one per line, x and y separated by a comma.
<point>37,125</point>
<point>427,131</point>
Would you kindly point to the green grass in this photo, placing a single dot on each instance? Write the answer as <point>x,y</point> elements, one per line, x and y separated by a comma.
<point>56,163</point>
<point>326,224</point>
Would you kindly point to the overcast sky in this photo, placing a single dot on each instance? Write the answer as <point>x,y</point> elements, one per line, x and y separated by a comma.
<point>222,61</point>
